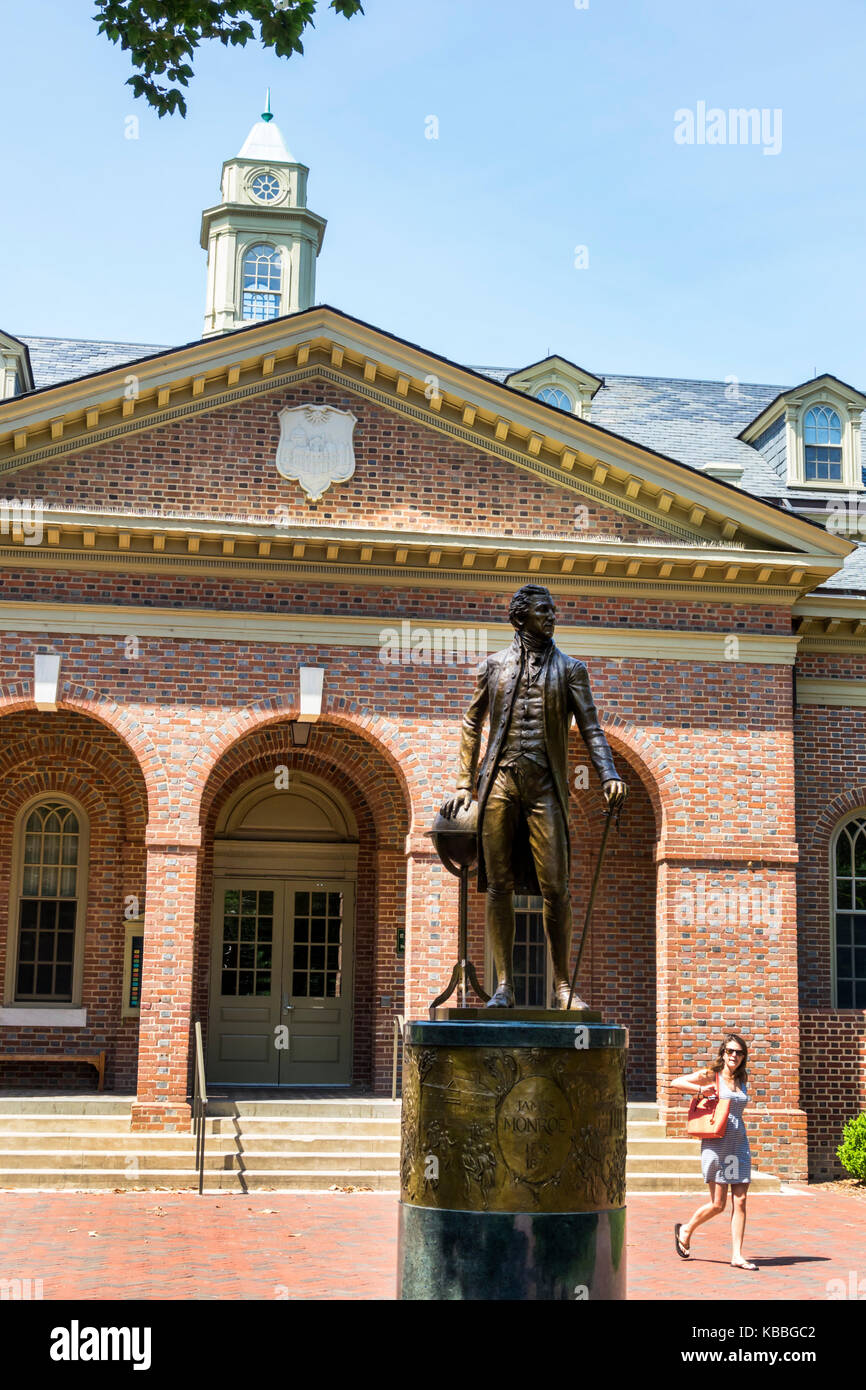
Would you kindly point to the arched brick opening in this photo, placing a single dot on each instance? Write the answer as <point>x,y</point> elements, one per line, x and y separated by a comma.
<point>76,756</point>
<point>814,927</point>
<point>832,1040</point>
<point>356,768</point>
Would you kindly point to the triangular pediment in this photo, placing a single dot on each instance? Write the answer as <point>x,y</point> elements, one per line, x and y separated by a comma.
<point>661,508</point>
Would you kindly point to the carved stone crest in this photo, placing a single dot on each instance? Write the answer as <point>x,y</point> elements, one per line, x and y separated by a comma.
<point>315,447</point>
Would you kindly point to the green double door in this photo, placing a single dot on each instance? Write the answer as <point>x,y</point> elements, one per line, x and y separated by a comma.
<point>281,982</point>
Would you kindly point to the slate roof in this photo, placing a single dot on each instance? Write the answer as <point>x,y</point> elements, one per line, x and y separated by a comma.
<point>851,576</point>
<point>65,359</point>
<point>695,421</point>
<point>689,420</point>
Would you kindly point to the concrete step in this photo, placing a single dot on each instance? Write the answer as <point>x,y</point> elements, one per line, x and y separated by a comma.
<point>661,1145</point>
<point>663,1163</point>
<point>351,1107</point>
<point>320,1160</point>
<point>81,1123</point>
<point>684,1182</point>
<point>119,1163</point>
<point>351,1126</point>
<point>13,1141</point>
<point>313,1143</point>
<point>645,1129</point>
<point>353,1130</point>
<point>141,1141</point>
<point>135,1161</point>
<point>91,1103</point>
<point>639,1111</point>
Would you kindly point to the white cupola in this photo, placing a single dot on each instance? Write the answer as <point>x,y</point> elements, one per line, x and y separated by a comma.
<point>261,240</point>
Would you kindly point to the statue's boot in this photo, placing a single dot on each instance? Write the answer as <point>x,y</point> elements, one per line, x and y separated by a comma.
<point>562,998</point>
<point>503,998</point>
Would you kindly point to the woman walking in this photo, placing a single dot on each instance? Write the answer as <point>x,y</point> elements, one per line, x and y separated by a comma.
<point>726,1160</point>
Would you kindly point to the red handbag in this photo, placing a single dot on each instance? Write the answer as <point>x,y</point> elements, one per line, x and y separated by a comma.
<point>708,1115</point>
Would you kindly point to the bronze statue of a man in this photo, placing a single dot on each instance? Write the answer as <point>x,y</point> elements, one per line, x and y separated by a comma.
<point>529,692</point>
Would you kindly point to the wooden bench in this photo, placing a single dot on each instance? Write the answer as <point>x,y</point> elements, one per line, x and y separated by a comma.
<point>95,1059</point>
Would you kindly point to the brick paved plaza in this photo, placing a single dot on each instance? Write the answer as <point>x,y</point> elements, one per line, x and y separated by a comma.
<point>148,1245</point>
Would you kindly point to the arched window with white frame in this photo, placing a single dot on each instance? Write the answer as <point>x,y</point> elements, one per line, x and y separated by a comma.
<point>262,282</point>
<point>51,866</point>
<point>848,902</point>
<point>822,440</point>
<point>554,395</point>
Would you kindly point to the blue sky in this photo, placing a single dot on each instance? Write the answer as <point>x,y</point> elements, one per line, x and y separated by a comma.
<point>556,130</point>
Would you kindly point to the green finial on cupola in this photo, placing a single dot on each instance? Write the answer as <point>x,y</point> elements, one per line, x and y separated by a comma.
<point>268,114</point>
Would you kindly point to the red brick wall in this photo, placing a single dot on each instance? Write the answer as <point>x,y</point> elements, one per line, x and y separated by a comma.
<point>620,971</point>
<point>165,1031</point>
<point>831,782</point>
<point>833,1081</point>
<point>406,475</point>
<point>392,604</point>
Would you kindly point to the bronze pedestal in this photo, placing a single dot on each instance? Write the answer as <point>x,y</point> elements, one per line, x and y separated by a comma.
<point>513,1160</point>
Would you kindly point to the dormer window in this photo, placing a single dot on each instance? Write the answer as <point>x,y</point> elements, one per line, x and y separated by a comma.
<point>822,437</point>
<point>15,371</point>
<point>263,280</point>
<point>810,435</point>
<point>554,395</point>
<point>556,381</point>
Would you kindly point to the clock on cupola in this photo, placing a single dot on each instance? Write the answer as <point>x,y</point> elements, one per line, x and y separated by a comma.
<point>262,240</point>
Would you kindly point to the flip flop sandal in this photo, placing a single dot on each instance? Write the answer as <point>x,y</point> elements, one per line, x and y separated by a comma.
<point>747,1265</point>
<point>682,1250</point>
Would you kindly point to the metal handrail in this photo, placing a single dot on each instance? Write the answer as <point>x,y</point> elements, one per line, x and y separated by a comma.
<point>199,1107</point>
<point>399,1021</point>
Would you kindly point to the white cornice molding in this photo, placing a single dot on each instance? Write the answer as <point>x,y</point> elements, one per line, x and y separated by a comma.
<point>317,630</point>
<point>829,606</point>
<point>814,691</point>
<point>582,543</point>
<point>828,624</point>
<point>263,548</point>
<point>568,577</point>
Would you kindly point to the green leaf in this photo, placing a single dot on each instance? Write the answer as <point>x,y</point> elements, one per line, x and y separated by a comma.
<point>160,34</point>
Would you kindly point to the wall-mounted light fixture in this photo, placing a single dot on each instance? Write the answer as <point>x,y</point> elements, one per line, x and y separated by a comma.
<point>46,680</point>
<point>312,686</point>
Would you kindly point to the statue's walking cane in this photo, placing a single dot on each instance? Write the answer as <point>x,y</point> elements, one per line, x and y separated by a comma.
<point>592,893</point>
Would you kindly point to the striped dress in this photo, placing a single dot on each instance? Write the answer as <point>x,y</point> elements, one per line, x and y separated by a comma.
<point>729,1159</point>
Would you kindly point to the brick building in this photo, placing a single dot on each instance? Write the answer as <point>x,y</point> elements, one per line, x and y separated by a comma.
<point>245,585</point>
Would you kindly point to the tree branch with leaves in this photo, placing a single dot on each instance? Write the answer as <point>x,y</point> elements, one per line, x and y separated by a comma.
<point>162,37</point>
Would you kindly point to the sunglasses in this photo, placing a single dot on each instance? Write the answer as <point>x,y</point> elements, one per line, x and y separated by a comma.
<point>733,1052</point>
